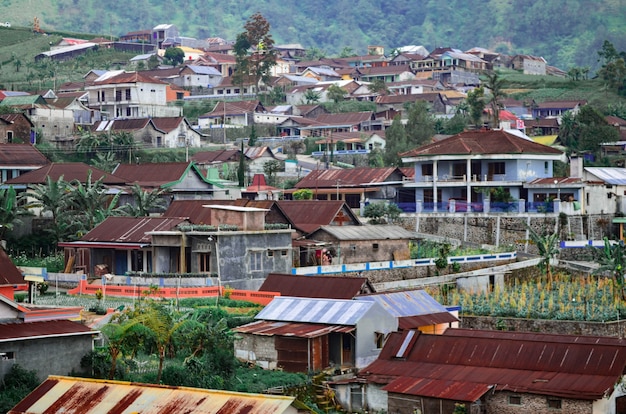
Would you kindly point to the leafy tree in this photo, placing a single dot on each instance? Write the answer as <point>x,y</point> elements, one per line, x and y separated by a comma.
<point>116,335</point>
<point>378,86</point>
<point>254,52</point>
<point>395,143</point>
<point>89,143</point>
<point>277,95</point>
<point>252,137</point>
<point>476,103</point>
<point>336,93</point>
<point>16,384</point>
<point>144,202</point>
<point>303,194</point>
<point>375,158</point>
<point>347,52</point>
<point>495,84</point>
<point>585,130</point>
<point>241,170</point>
<point>311,96</point>
<point>382,213</point>
<point>455,125</point>
<point>174,56</point>
<point>612,260</point>
<point>314,54</point>
<point>271,168</point>
<point>548,248</point>
<point>123,144</point>
<point>153,62</point>
<point>420,126</point>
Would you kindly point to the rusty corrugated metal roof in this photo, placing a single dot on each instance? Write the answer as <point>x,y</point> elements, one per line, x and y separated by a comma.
<point>418,321</point>
<point>168,124</point>
<point>89,396</point>
<point>310,215</point>
<point>70,171</point>
<point>152,174</point>
<point>294,329</point>
<point>10,332</point>
<point>444,389</point>
<point>195,211</point>
<point>350,178</point>
<point>9,273</point>
<point>482,142</point>
<point>565,366</point>
<point>130,229</point>
<point>329,287</point>
<point>129,77</point>
<point>216,157</point>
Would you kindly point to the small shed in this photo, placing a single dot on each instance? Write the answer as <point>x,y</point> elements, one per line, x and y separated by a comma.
<point>370,243</point>
<point>308,335</point>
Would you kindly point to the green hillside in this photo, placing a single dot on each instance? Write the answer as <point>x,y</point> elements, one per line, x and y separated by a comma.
<point>567,32</point>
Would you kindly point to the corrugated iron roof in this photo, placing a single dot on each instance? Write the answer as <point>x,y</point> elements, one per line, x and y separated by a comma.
<point>348,178</point>
<point>215,157</point>
<point>368,232</point>
<point>444,389</point>
<point>9,273</point>
<point>414,322</point>
<point>482,142</point>
<point>20,331</point>
<point>313,310</point>
<point>88,396</point>
<point>69,171</point>
<point>130,229</point>
<point>610,175</point>
<point>153,174</point>
<point>128,77</point>
<point>565,366</point>
<point>298,330</point>
<point>309,215</point>
<point>329,287</point>
<point>407,303</point>
<point>195,211</point>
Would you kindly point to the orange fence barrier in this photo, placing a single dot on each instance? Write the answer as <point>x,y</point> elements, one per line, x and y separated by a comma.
<point>261,298</point>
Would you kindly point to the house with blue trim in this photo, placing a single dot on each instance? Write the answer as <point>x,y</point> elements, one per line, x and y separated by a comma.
<point>465,172</point>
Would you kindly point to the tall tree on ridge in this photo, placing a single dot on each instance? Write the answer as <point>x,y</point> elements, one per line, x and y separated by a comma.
<point>495,84</point>
<point>254,52</point>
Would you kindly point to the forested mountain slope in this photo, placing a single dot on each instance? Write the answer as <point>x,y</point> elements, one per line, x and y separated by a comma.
<point>566,32</point>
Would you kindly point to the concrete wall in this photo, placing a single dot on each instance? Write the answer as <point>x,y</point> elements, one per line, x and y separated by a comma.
<point>47,356</point>
<point>377,319</point>
<point>256,349</point>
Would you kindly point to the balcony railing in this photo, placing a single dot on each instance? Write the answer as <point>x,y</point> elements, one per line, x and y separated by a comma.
<point>461,206</point>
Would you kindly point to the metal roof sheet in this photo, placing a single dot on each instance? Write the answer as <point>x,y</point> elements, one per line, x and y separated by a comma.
<point>9,273</point>
<point>309,215</point>
<point>19,331</point>
<point>69,171</point>
<point>350,178</point>
<point>444,389</point>
<point>88,396</point>
<point>329,287</point>
<point>130,229</point>
<point>406,303</point>
<point>369,232</point>
<point>314,310</point>
<point>559,365</point>
<point>414,322</point>
<point>610,175</point>
<point>299,330</point>
<point>153,174</point>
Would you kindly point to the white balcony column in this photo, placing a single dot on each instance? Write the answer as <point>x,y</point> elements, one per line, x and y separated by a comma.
<point>435,179</point>
<point>468,182</point>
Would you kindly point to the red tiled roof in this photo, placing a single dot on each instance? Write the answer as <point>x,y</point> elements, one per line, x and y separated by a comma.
<point>69,171</point>
<point>346,118</point>
<point>482,142</point>
<point>21,331</point>
<point>130,229</point>
<point>329,287</point>
<point>21,154</point>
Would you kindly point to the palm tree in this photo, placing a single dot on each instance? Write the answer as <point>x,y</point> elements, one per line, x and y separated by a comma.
<point>123,143</point>
<point>548,247</point>
<point>611,260</point>
<point>91,201</point>
<point>495,84</point>
<point>144,202</point>
<point>8,209</point>
<point>116,335</point>
<point>53,197</point>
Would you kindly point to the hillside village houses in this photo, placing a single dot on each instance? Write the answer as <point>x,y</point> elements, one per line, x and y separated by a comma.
<point>400,351</point>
